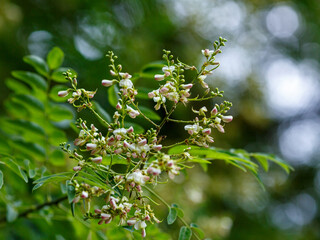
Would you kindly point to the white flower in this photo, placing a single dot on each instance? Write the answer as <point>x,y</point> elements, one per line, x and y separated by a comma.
<point>126,83</point>
<point>138,178</point>
<point>132,113</point>
<point>167,69</point>
<point>120,131</point>
<point>125,75</point>
<point>195,128</point>
<point>207,52</point>
<point>140,225</point>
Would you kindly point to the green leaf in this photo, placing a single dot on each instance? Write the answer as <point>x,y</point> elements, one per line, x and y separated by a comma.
<point>172,216</point>
<point>137,128</point>
<point>32,79</point>
<point>149,113</point>
<point>10,163</point>
<point>29,102</point>
<point>113,96</point>
<point>272,158</point>
<point>57,158</point>
<point>38,63</point>
<point>101,111</point>
<point>72,206</point>
<point>71,192</point>
<point>196,229</point>
<point>12,213</point>
<point>185,233</point>
<point>17,86</point>
<point>31,172</point>
<point>51,178</point>
<point>143,93</point>
<point>55,58</point>
<point>116,159</point>
<point>54,93</point>
<point>58,76</point>
<point>59,113</point>
<point>23,127</point>
<point>1,179</point>
<point>30,148</point>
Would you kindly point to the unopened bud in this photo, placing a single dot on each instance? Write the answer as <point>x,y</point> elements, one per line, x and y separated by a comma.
<point>97,159</point>
<point>63,93</point>
<point>107,83</point>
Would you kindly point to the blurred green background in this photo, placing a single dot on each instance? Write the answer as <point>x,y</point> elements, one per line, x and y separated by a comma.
<point>269,70</point>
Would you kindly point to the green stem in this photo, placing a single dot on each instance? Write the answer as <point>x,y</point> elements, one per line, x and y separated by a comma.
<point>178,143</point>
<point>166,118</point>
<point>165,203</point>
<point>142,114</point>
<point>180,121</point>
<point>98,116</point>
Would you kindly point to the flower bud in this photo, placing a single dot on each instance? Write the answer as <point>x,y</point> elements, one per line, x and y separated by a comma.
<point>97,159</point>
<point>159,77</point>
<point>187,86</point>
<point>151,95</point>
<point>91,146</point>
<point>206,131</point>
<point>214,111</point>
<point>98,211</point>
<point>157,147</point>
<point>76,168</point>
<point>130,129</point>
<point>143,232</point>
<point>107,83</point>
<point>112,73</point>
<point>131,222</point>
<point>220,128</point>
<point>142,142</point>
<point>227,119</point>
<point>84,194</point>
<point>63,93</point>
<point>105,216</point>
<point>118,107</point>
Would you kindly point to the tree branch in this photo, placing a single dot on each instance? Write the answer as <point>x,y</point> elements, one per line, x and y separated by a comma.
<point>36,208</point>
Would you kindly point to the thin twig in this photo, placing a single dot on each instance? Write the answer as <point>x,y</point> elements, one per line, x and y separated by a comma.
<point>37,208</point>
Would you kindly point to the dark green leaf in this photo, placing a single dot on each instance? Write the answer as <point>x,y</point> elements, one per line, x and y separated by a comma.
<point>10,163</point>
<point>55,58</point>
<point>17,86</point>
<point>33,79</point>
<point>23,127</point>
<point>71,192</point>
<point>196,229</point>
<point>58,76</point>
<point>172,216</point>
<point>51,178</point>
<point>57,158</point>
<point>143,93</point>
<point>29,102</point>
<point>101,111</point>
<point>185,233</point>
<point>31,172</point>
<point>149,113</point>
<point>113,95</point>
<point>59,113</point>
<point>38,63</point>
<point>1,179</point>
<point>12,213</point>
<point>30,148</point>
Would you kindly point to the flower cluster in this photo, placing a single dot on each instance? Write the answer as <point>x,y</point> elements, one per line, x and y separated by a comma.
<point>144,154</point>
